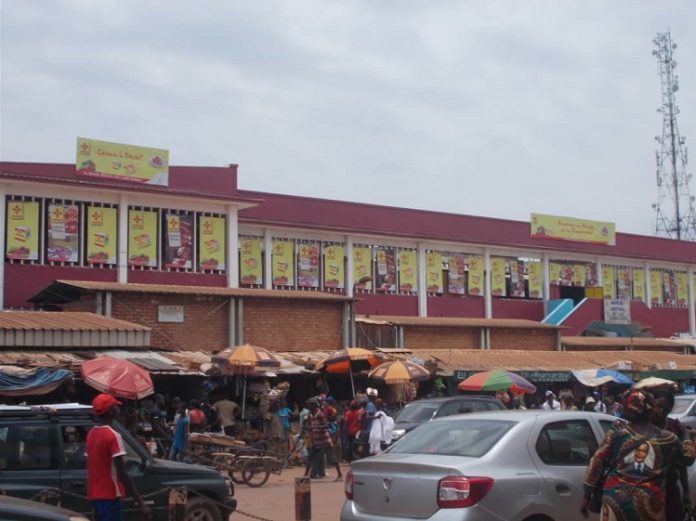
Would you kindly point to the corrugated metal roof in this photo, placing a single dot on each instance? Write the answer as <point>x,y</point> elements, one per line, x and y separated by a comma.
<point>454,322</point>
<point>58,287</point>
<point>622,342</point>
<point>65,321</point>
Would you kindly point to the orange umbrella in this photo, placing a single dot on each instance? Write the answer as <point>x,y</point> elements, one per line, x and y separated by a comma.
<point>244,359</point>
<point>399,372</point>
<point>342,361</point>
<point>118,377</point>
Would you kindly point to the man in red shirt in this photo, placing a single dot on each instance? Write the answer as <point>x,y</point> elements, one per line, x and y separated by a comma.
<point>106,472</point>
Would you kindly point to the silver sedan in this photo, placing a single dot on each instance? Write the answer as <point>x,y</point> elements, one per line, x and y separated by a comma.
<point>507,465</point>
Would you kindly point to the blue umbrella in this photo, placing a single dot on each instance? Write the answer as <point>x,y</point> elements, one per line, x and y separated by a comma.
<point>597,377</point>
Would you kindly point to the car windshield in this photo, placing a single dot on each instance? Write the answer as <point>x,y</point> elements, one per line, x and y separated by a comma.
<point>417,412</point>
<point>681,405</point>
<point>472,438</point>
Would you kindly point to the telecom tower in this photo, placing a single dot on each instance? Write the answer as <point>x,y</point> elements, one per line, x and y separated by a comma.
<point>676,218</point>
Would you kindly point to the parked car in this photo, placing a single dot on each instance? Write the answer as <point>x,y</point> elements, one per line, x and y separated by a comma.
<point>427,409</point>
<point>15,509</point>
<point>43,448</point>
<point>515,465</point>
<point>684,409</point>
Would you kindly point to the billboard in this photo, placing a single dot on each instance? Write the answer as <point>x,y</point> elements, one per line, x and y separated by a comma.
<point>63,237</point>
<point>334,276</point>
<point>570,229</point>
<point>250,261</point>
<point>362,266</point>
<point>101,235</point>
<point>408,271</point>
<point>308,264</point>
<point>211,243</point>
<point>122,162</point>
<point>283,270</point>
<point>178,241</point>
<point>142,238</point>
<point>22,230</point>
<point>433,272</point>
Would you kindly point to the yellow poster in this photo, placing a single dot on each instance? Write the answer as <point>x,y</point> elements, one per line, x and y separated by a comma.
<point>536,280</point>
<point>639,284</point>
<point>570,229</point>
<point>142,238</point>
<point>682,288</point>
<point>334,272</point>
<point>433,272</point>
<point>498,288</point>
<point>475,282</point>
<point>283,263</point>
<point>555,270</point>
<point>122,162</point>
<point>250,262</point>
<point>655,287</point>
<point>408,271</point>
<point>579,275</point>
<point>609,282</point>
<point>212,243</point>
<point>23,230</point>
<point>101,235</point>
<point>362,267</point>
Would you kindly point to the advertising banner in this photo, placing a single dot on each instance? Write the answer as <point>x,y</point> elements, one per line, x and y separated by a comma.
<point>250,261</point>
<point>555,270</point>
<point>536,280</point>
<point>579,275</point>
<point>22,230</point>
<point>669,296</point>
<point>498,282</point>
<point>408,271</point>
<point>609,282</point>
<point>655,287</point>
<point>101,235</point>
<point>682,288</point>
<point>362,266</point>
<point>591,275</point>
<point>475,275</point>
<point>122,162</point>
<point>334,257</point>
<point>457,275</point>
<point>386,269</point>
<point>567,271</point>
<point>283,263</point>
<point>178,245</point>
<point>212,243</point>
<point>638,276</point>
<point>570,229</point>
<point>433,272</point>
<point>308,265</point>
<point>142,238</point>
<point>63,238</point>
<point>623,283</point>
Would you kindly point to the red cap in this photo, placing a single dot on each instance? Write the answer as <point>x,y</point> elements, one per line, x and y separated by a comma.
<point>103,403</point>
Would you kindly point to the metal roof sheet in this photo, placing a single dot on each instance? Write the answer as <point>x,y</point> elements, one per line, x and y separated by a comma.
<point>64,320</point>
<point>507,323</point>
<point>622,342</point>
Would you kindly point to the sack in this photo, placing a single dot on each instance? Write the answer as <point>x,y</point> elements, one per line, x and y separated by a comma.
<point>689,514</point>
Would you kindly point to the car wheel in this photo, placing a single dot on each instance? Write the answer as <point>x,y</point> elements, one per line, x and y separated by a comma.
<point>202,509</point>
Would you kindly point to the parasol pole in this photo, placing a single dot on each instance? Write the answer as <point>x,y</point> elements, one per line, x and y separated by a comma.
<point>244,396</point>
<point>352,383</point>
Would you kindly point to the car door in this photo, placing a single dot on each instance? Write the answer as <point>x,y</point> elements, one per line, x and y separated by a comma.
<point>561,450</point>
<point>29,466</point>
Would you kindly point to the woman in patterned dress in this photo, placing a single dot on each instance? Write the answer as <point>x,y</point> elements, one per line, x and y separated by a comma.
<point>635,457</point>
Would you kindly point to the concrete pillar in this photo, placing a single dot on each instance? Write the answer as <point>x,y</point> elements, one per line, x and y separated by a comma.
<point>267,259</point>
<point>422,283</point>
<point>545,281</point>
<point>122,250</point>
<point>648,292</point>
<point>232,322</point>
<point>232,248</point>
<point>487,298</point>
<point>349,266</point>
<point>600,278</point>
<point>107,304</point>
<point>692,317</point>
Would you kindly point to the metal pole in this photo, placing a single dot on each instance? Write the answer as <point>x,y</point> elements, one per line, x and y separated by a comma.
<point>303,499</point>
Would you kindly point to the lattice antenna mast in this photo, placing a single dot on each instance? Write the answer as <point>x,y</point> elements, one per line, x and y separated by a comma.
<point>676,218</point>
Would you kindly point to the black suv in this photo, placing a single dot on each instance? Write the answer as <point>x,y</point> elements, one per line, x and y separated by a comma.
<point>42,449</point>
<point>421,411</point>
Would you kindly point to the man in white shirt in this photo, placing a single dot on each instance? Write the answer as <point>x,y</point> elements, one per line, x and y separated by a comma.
<point>551,404</point>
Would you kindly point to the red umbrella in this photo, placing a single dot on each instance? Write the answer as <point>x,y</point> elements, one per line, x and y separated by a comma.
<point>118,377</point>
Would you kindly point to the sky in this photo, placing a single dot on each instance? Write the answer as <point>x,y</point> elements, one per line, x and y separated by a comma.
<point>493,108</point>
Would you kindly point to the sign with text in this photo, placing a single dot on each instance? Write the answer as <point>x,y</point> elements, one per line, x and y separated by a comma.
<point>617,311</point>
<point>22,230</point>
<point>142,238</point>
<point>570,229</point>
<point>212,243</point>
<point>101,235</point>
<point>174,314</point>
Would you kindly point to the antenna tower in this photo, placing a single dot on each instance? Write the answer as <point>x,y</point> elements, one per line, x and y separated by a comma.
<point>676,217</point>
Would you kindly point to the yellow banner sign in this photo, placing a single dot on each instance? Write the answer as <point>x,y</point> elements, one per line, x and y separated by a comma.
<point>408,271</point>
<point>362,266</point>
<point>457,275</point>
<point>334,272</point>
<point>475,282</point>
<point>609,282</point>
<point>534,273</point>
<point>22,230</point>
<point>579,275</point>
<point>682,288</point>
<point>101,235</point>
<point>122,162</point>
<point>211,243</point>
<point>142,238</point>
<point>433,272</point>
<point>283,263</point>
<point>498,286</point>
<point>555,270</point>
<point>63,239</point>
<point>638,284</point>
<point>656,287</point>
<point>250,262</point>
<point>569,229</point>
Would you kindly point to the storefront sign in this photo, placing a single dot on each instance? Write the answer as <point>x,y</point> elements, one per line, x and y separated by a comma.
<point>170,314</point>
<point>362,266</point>
<point>408,271</point>
<point>178,246</point>
<point>498,282</point>
<point>122,162</point>
<point>536,281</point>
<point>283,263</point>
<point>569,229</point>
<point>433,272</point>
<point>532,376</point>
<point>212,243</point>
<point>22,230</point>
<point>617,311</point>
<point>475,275</point>
<point>386,270</point>
<point>142,238</point>
<point>334,276</point>
<point>63,240</point>
<point>609,282</point>
<point>101,235</point>
<point>308,265</point>
<point>250,262</point>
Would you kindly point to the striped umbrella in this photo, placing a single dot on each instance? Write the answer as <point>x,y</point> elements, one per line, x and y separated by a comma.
<point>497,380</point>
<point>244,359</point>
<point>343,360</point>
<point>399,372</point>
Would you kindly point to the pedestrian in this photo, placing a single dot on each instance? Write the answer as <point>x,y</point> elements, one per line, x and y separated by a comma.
<point>518,404</point>
<point>352,420</point>
<point>567,404</point>
<point>370,408</point>
<point>629,469</point>
<point>181,432</point>
<point>196,416</point>
<point>318,427</point>
<point>227,411</point>
<point>551,404</point>
<point>381,430</point>
<point>273,429</point>
<point>285,414</point>
<point>600,406</point>
<point>590,403</point>
<point>107,479</point>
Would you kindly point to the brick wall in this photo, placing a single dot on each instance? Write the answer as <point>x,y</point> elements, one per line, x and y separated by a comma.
<point>287,325</point>
<point>416,337</point>
<point>87,303</point>
<point>527,339</point>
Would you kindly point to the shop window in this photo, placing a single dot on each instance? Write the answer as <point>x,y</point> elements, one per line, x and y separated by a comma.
<point>212,243</point>
<point>251,261</point>
<point>23,239</point>
<point>63,238</point>
<point>143,239</point>
<point>178,240</point>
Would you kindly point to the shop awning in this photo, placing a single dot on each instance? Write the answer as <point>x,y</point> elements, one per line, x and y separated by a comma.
<point>16,381</point>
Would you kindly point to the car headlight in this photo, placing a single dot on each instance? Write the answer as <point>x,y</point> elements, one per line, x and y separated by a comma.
<point>397,433</point>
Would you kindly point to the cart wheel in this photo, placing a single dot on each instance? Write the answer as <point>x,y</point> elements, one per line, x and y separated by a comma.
<point>256,472</point>
<point>235,472</point>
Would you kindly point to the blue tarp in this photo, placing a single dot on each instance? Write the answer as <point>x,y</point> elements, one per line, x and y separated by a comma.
<point>29,383</point>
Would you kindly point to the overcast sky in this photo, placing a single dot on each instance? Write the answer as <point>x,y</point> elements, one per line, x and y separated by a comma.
<point>477,107</point>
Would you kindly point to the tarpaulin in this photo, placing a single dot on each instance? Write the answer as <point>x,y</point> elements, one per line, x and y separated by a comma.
<point>597,377</point>
<point>15,381</point>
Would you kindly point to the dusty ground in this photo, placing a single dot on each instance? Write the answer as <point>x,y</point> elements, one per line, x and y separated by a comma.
<point>276,499</point>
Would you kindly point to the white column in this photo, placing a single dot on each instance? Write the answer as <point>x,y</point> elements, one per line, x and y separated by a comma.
<point>545,277</point>
<point>487,298</point>
<point>692,310</point>
<point>422,289</point>
<point>232,248</point>
<point>122,251</point>
<point>267,259</point>
<point>600,281</point>
<point>3,233</point>
<point>349,266</point>
<point>648,293</point>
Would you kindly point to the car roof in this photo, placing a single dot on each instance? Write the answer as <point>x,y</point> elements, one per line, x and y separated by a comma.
<point>527,415</point>
<point>443,399</point>
<point>66,409</point>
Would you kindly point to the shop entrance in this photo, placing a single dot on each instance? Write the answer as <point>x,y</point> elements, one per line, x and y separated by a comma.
<point>575,293</point>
